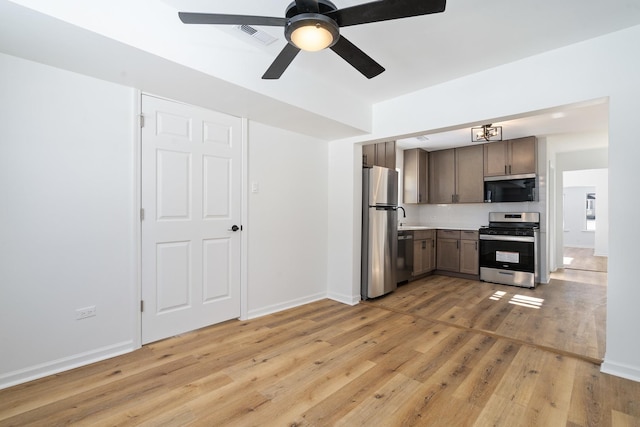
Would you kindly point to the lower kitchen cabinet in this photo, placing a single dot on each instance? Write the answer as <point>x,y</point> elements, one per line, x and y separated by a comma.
<point>448,250</point>
<point>457,251</point>
<point>469,257</point>
<point>424,252</point>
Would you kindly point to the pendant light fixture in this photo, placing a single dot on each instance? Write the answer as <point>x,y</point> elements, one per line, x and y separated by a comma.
<point>486,133</point>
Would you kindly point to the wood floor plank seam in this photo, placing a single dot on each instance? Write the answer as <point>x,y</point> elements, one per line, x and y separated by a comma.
<point>560,352</point>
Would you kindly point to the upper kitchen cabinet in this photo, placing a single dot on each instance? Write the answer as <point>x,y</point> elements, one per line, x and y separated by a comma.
<point>469,174</point>
<point>456,175</point>
<point>442,176</point>
<point>369,155</point>
<point>380,154</point>
<point>512,157</point>
<point>415,176</point>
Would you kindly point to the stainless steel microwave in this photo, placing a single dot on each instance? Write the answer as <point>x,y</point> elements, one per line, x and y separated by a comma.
<point>515,188</point>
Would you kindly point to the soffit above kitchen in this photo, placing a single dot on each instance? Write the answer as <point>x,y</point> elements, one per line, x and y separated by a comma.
<point>581,118</point>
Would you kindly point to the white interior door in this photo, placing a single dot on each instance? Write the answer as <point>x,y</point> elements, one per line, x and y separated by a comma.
<point>191,197</point>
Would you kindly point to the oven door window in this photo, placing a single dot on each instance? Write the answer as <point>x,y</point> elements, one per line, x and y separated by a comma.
<point>517,256</point>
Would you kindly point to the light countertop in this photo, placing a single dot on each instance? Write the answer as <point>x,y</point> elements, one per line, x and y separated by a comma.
<point>463,227</point>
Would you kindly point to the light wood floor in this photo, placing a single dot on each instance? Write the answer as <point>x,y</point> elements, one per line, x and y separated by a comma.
<point>583,259</point>
<point>437,352</point>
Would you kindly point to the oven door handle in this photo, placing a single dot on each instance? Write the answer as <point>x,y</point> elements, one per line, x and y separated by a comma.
<point>507,238</point>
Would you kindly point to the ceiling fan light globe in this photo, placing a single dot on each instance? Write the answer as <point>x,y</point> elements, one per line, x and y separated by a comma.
<point>312,38</point>
<point>312,32</point>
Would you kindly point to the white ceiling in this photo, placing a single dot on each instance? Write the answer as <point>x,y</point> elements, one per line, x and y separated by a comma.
<point>325,94</point>
<point>418,52</point>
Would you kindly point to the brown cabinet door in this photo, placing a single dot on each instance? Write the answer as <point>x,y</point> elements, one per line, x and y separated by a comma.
<point>469,174</point>
<point>424,256</point>
<point>368,155</point>
<point>469,257</point>
<point>423,181</point>
<point>418,267</point>
<point>495,158</point>
<point>442,176</point>
<point>380,155</point>
<point>523,157</point>
<point>415,176</point>
<point>448,255</point>
<point>512,157</point>
<point>429,256</point>
<point>390,155</point>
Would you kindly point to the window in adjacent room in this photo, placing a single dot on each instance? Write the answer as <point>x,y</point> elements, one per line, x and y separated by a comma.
<point>591,211</point>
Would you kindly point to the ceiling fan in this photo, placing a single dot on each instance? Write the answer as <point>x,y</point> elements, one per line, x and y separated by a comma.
<point>314,25</point>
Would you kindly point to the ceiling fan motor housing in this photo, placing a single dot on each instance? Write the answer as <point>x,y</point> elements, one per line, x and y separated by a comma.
<point>297,19</point>
<point>324,6</point>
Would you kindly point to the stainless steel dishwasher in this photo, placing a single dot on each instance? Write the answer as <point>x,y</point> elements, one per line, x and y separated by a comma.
<point>405,255</point>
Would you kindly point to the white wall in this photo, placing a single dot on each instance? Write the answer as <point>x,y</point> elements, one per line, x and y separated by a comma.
<point>601,67</point>
<point>67,221</point>
<point>345,221</point>
<point>287,253</point>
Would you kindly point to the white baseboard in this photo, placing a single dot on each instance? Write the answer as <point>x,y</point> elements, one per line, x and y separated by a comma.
<point>345,299</point>
<point>621,370</point>
<point>56,366</point>
<point>270,309</point>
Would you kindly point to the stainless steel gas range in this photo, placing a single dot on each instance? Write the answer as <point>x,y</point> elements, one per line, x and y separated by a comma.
<point>509,249</point>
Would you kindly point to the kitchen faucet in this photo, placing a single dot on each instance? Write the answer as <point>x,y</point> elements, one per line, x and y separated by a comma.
<point>404,214</point>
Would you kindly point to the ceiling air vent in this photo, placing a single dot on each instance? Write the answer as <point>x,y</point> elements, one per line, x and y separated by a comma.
<point>261,36</point>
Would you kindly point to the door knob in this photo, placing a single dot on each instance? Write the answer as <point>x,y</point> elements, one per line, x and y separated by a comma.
<point>234,228</point>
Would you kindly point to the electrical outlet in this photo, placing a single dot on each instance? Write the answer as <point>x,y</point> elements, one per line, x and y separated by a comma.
<point>83,313</point>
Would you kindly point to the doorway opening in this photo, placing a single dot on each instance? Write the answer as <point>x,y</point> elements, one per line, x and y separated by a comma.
<point>585,230</point>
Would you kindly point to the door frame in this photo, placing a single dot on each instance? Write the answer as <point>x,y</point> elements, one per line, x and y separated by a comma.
<point>137,194</point>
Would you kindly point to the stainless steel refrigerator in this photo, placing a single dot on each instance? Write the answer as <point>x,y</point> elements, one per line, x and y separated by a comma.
<point>379,231</point>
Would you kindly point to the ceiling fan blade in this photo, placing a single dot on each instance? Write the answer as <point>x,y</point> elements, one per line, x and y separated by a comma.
<point>357,58</point>
<point>307,6</point>
<point>281,62</point>
<point>216,18</point>
<point>384,11</point>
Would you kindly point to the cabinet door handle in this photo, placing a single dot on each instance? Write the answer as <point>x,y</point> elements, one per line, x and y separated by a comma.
<point>505,169</point>
<point>476,246</point>
<point>509,169</point>
<point>424,244</point>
